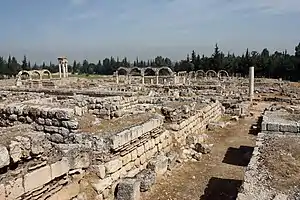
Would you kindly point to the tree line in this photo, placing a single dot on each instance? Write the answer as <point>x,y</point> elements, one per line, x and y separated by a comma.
<point>275,65</point>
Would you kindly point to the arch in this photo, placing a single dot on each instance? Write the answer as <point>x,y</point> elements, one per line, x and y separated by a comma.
<point>122,71</point>
<point>149,71</point>
<point>223,73</point>
<point>44,72</point>
<point>211,73</point>
<point>19,75</point>
<point>135,71</point>
<point>192,74</point>
<point>200,73</point>
<point>164,71</point>
<point>33,72</point>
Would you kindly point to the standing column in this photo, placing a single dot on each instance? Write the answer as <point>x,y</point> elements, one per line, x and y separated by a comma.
<point>251,82</point>
<point>59,68</point>
<point>143,78</point>
<point>66,70</point>
<point>117,77</point>
<point>157,79</point>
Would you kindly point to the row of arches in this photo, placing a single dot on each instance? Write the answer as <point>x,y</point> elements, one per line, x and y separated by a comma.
<point>149,71</point>
<point>34,74</point>
<point>166,71</point>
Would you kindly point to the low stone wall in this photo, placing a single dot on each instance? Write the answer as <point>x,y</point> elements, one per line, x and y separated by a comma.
<point>58,122</point>
<point>196,123</point>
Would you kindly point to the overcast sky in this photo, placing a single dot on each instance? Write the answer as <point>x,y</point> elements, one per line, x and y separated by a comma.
<point>95,29</point>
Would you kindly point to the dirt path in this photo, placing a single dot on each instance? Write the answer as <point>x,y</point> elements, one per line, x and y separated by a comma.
<point>219,174</point>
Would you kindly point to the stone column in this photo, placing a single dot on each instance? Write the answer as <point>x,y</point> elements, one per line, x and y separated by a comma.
<point>64,70</point>
<point>143,78</point>
<point>59,68</point>
<point>251,83</point>
<point>151,81</point>
<point>117,77</point>
<point>157,78</point>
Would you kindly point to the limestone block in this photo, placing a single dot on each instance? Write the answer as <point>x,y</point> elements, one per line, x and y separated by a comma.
<point>31,181</point>
<point>66,193</point>
<point>147,127</point>
<point>15,151</point>
<point>40,121</point>
<point>147,146</point>
<point>13,117</point>
<point>60,168</point>
<point>143,158</point>
<point>72,124</point>
<point>57,138</point>
<point>99,170</point>
<point>64,114</point>
<point>140,150</point>
<point>133,154</point>
<point>116,175</point>
<point>273,127</point>
<point>137,162</point>
<point>159,164</point>
<point>14,189</point>
<point>113,165</point>
<point>128,189</point>
<point>129,166</point>
<point>147,178</point>
<point>2,192</point>
<point>291,128</point>
<point>264,126</point>
<point>126,159</point>
<point>101,184</point>
<point>4,157</point>
<point>48,122</point>
<point>80,161</point>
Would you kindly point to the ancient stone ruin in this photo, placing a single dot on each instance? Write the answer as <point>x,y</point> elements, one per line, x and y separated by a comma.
<point>114,137</point>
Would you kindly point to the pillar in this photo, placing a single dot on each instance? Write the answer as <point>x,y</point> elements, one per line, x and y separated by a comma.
<point>64,69</point>
<point>59,68</point>
<point>151,81</point>
<point>251,83</point>
<point>156,79</point>
<point>117,77</point>
<point>143,78</point>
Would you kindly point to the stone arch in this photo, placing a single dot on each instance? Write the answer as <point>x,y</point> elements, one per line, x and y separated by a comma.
<point>19,75</point>
<point>122,71</point>
<point>192,74</point>
<point>200,73</point>
<point>164,70</point>
<point>33,72</point>
<point>44,72</point>
<point>211,73</point>
<point>135,71</point>
<point>223,73</point>
<point>149,71</point>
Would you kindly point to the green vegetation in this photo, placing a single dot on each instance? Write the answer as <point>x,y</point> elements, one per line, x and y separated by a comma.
<point>276,65</point>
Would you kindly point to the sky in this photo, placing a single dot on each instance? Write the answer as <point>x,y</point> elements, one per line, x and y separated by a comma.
<point>95,29</point>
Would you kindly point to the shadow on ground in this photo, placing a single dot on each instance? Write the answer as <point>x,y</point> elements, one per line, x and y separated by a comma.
<point>238,156</point>
<point>256,127</point>
<point>221,189</point>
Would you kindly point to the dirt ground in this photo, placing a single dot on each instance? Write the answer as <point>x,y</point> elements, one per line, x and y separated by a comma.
<point>219,175</point>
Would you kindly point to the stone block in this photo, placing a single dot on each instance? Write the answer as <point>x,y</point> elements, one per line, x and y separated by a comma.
<point>273,127</point>
<point>159,164</point>
<point>99,170</point>
<point>37,178</point>
<point>80,161</point>
<point>133,154</point>
<point>126,159</point>
<point>67,192</point>
<point>102,184</point>
<point>60,168</point>
<point>128,189</point>
<point>147,178</point>
<point>113,165</point>
<point>140,150</point>
<point>4,157</point>
<point>291,128</point>
<point>14,189</point>
<point>129,166</point>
